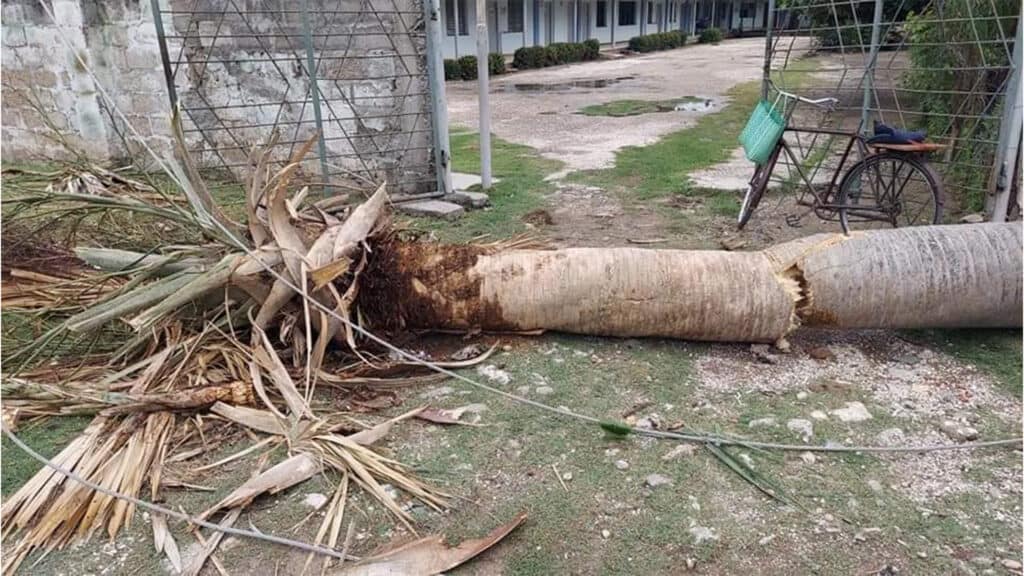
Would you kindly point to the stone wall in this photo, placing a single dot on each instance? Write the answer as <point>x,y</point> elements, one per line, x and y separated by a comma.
<point>236,76</point>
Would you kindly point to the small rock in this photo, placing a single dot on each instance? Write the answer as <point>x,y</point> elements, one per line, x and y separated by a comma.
<point>801,395</point>
<point>890,437</point>
<point>854,412</point>
<point>507,348</point>
<point>679,451</point>
<point>762,353</point>
<point>622,465</point>
<point>702,534</point>
<point>802,427</point>
<point>766,539</point>
<point>732,243</point>
<point>567,476</point>
<point>1011,564</point>
<point>975,218</point>
<point>820,353</point>
<point>922,554</point>
<point>545,390</point>
<point>875,485</point>
<point>437,392</point>
<point>819,415</point>
<point>958,432</point>
<point>432,208</point>
<point>468,199</point>
<point>649,422</point>
<point>908,359</point>
<point>655,480</point>
<point>605,534</point>
<point>494,374</point>
<point>471,351</point>
<point>691,563</point>
<point>783,345</point>
<point>768,422</point>
<point>808,457</point>
<point>314,500</point>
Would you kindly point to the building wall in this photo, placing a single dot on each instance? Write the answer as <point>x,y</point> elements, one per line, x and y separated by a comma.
<point>555,21</point>
<point>42,78</point>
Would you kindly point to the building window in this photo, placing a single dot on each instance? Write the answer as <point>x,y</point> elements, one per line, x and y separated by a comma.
<point>627,13</point>
<point>515,15</point>
<point>672,12</point>
<point>602,14</point>
<point>449,17</point>
<point>650,12</point>
<point>747,10</point>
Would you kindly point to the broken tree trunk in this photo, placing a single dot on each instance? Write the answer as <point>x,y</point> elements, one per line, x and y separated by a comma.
<point>940,276</point>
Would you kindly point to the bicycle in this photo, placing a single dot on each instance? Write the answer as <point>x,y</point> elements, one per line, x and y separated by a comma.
<point>889,182</point>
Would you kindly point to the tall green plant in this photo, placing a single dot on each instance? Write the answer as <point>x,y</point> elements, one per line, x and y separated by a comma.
<point>958,72</point>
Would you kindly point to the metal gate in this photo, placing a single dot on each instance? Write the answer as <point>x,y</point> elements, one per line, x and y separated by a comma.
<point>359,76</point>
<point>950,67</point>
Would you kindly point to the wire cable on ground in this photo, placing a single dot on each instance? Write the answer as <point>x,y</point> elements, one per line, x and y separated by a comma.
<point>412,358</point>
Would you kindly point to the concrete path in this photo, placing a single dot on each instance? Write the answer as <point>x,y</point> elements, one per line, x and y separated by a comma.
<point>540,108</point>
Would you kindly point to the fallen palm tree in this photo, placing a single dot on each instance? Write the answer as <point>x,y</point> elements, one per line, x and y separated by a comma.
<point>941,276</point>
<point>236,328</point>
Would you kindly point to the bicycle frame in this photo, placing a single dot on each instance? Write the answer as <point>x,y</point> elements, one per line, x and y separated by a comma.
<point>820,202</point>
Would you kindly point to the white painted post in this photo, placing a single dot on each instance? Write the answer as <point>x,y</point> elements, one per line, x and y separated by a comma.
<point>484,98</point>
<point>438,99</point>
<point>997,204</point>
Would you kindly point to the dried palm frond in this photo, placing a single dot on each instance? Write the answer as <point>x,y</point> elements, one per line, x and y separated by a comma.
<point>204,322</point>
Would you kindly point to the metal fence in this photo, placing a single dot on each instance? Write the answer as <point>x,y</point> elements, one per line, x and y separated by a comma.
<point>362,77</point>
<point>950,67</point>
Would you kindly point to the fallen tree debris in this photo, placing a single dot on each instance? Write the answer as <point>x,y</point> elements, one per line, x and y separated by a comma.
<point>430,555</point>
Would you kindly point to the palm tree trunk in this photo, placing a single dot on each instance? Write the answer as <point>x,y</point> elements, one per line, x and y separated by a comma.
<point>941,276</point>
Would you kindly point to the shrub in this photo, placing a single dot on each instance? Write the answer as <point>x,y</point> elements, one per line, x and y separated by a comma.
<point>659,41</point>
<point>530,57</point>
<point>710,36</point>
<point>452,70</point>
<point>555,54</point>
<point>495,64</point>
<point>468,66</point>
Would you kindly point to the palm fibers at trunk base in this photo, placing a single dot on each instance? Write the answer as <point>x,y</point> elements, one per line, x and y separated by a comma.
<point>923,277</point>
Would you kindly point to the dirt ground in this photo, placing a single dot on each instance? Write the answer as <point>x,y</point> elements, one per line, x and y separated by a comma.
<point>541,108</point>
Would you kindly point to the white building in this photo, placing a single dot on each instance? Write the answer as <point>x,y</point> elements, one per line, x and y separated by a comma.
<point>512,24</point>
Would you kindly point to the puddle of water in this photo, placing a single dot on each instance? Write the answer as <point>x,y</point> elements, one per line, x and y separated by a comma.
<point>701,105</point>
<point>562,86</point>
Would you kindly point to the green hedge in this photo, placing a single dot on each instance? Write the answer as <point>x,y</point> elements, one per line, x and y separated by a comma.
<point>495,64</point>
<point>465,68</point>
<point>659,41</point>
<point>555,54</point>
<point>467,64</point>
<point>710,36</point>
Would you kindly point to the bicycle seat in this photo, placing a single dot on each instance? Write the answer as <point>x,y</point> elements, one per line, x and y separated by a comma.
<point>890,135</point>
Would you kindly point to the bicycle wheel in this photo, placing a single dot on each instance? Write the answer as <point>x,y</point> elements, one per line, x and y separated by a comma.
<point>755,189</point>
<point>889,190</point>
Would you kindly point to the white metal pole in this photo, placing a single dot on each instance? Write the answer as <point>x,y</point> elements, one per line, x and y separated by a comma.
<point>869,74</point>
<point>1008,149</point>
<point>482,87</point>
<point>438,99</point>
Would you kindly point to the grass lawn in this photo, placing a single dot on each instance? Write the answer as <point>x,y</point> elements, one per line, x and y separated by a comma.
<point>620,108</point>
<point>521,189</point>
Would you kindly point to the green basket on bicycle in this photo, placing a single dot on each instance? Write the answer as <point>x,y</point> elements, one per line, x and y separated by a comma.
<point>762,132</point>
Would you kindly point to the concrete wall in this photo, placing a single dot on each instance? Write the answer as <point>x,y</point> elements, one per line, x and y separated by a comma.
<point>376,107</point>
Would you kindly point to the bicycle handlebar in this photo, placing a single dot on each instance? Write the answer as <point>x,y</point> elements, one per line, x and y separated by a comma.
<point>827,103</point>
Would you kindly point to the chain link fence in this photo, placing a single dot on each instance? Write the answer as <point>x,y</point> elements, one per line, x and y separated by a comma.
<point>354,75</point>
<point>949,67</point>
